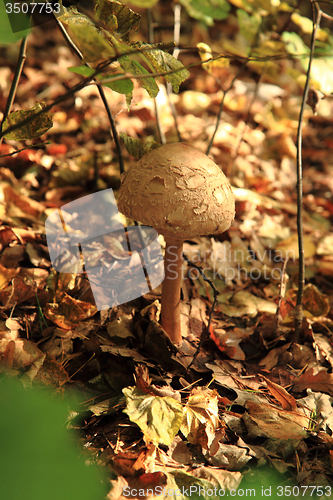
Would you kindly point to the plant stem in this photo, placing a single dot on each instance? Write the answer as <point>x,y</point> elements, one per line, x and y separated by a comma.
<point>170,314</point>
<point>299,187</point>
<point>151,39</point>
<point>176,37</point>
<point>114,132</point>
<point>219,115</point>
<point>18,70</point>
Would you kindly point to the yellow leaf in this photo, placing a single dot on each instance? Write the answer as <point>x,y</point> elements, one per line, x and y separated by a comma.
<point>210,62</point>
<point>289,247</point>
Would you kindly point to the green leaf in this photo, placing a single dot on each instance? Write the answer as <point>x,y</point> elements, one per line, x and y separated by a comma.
<point>81,70</point>
<point>144,4</point>
<point>249,24</point>
<point>124,86</point>
<point>35,128</point>
<point>135,68</point>
<point>137,148</point>
<point>207,10</point>
<point>117,17</point>
<point>22,24</point>
<point>37,448</point>
<point>159,418</point>
<point>165,62</point>
<point>92,43</point>
<point>296,47</point>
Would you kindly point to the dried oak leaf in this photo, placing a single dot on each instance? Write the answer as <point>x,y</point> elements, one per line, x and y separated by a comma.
<point>318,382</point>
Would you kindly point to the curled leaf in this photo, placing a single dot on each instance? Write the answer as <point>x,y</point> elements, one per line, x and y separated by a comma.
<point>35,128</point>
<point>163,62</point>
<point>117,17</point>
<point>92,42</point>
<point>159,418</point>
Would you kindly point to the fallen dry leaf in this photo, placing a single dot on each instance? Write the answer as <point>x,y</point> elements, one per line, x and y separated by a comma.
<point>266,421</point>
<point>286,400</point>
<point>318,382</point>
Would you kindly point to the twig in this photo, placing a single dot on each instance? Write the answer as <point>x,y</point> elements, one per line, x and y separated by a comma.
<point>79,86</point>
<point>216,294</point>
<point>299,186</point>
<point>114,132</point>
<point>113,128</point>
<point>230,169</point>
<point>56,101</point>
<point>23,149</point>
<point>101,67</point>
<point>151,37</point>
<point>282,293</point>
<point>18,70</point>
<point>228,89</point>
<point>219,115</point>
<point>176,36</point>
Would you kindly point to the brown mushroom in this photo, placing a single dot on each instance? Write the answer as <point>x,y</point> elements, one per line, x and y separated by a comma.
<point>182,194</point>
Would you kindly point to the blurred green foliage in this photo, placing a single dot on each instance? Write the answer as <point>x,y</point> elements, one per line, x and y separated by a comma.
<point>39,458</point>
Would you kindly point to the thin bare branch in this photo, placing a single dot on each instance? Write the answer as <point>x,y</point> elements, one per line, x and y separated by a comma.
<point>151,36</point>
<point>33,146</point>
<point>101,67</point>
<point>14,85</point>
<point>317,14</point>
<point>114,132</point>
<point>230,169</point>
<point>176,36</point>
<point>219,114</point>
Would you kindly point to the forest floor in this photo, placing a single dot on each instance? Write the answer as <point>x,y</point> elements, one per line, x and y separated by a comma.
<point>256,400</point>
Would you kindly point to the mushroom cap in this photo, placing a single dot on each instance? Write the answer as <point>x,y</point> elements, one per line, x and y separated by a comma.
<point>179,191</point>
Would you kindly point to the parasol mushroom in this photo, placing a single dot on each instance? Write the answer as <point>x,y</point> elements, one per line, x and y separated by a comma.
<point>182,194</point>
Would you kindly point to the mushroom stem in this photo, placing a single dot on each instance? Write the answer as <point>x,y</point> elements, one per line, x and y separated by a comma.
<point>170,301</point>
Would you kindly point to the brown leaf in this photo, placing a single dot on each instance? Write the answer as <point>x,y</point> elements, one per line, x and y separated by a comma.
<point>316,303</point>
<point>229,342</point>
<point>17,292</point>
<point>229,457</point>
<point>25,353</point>
<point>272,357</point>
<point>143,382</point>
<point>6,275</point>
<point>142,379</point>
<point>69,312</point>
<point>319,382</point>
<point>6,237</point>
<point>19,205</point>
<point>266,421</point>
<point>7,358</point>
<point>286,400</point>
